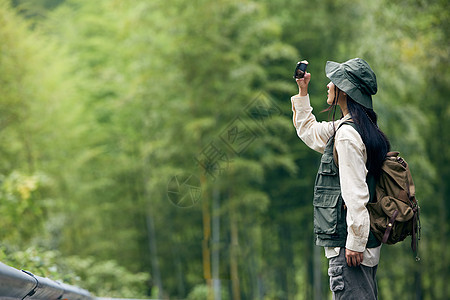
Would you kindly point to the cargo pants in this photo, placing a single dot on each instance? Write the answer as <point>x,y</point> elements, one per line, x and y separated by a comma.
<point>351,282</point>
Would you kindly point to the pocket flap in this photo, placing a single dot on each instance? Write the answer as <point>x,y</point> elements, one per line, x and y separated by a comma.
<point>335,271</point>
<point>326,165</point>
<point>326,197</point>
<point>390,204</point>
<point>326,158</point>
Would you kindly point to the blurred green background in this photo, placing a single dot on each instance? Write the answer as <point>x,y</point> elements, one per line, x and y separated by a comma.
<point>147,147</point>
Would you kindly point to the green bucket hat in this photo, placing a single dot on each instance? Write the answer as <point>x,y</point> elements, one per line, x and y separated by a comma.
<point>355,78</point>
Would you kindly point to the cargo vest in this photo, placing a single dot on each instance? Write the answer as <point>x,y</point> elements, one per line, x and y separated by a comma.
<point>330,225</point>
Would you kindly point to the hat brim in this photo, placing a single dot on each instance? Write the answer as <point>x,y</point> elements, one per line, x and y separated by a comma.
<point>336,73</point>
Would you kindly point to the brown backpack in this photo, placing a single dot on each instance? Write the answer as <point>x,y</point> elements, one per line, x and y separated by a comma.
<point>394,213</point>
<point>393,208</point>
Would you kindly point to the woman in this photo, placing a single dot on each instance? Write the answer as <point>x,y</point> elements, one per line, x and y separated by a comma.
<point>353,150</point>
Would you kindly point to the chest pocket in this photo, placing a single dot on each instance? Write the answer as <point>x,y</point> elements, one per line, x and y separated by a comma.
<point>326,165</point>
<point>328,174</point>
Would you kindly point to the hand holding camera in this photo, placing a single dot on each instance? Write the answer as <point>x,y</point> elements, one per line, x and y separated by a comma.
<point>302,77</point>
<point>300,70</point>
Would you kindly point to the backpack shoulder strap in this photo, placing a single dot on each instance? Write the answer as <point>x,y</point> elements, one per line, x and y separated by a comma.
<point>335,155</point>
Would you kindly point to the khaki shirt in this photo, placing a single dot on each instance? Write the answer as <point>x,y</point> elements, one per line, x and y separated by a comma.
<point>352,173</point>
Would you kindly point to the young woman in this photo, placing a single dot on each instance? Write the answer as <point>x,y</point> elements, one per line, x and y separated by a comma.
<point>353,150</point>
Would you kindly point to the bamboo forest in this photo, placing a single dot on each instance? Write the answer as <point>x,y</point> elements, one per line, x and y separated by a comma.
<point>148,151</point>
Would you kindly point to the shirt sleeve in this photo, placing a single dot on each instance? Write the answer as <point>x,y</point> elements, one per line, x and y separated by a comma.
<point>314,134</point>
<point>355,192</point>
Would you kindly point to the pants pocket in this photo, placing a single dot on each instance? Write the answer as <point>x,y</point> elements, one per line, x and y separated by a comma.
<point>336,278</point>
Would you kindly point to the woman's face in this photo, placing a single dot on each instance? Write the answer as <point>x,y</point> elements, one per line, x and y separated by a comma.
<point>331,93</point>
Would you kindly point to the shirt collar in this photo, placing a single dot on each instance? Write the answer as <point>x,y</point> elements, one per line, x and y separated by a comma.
<point>346,117</point>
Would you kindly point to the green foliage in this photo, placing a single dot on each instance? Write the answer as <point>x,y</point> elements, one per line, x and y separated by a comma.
<point>105,278</point>
<point>104,102</point>
<point>22,207</point>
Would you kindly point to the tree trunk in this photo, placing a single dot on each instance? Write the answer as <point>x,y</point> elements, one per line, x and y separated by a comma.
<point>206,239</point>
<point>317,272</point>
<point>216,244</point>
<point>180,275</point>
<point>156,275</point>
<point>418,281</point>
<point>234,247</point>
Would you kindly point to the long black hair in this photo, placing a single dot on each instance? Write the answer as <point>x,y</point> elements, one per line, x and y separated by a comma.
<point>376,142</point>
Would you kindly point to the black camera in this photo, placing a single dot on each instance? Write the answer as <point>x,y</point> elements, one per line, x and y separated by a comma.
<point>300,70</point>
